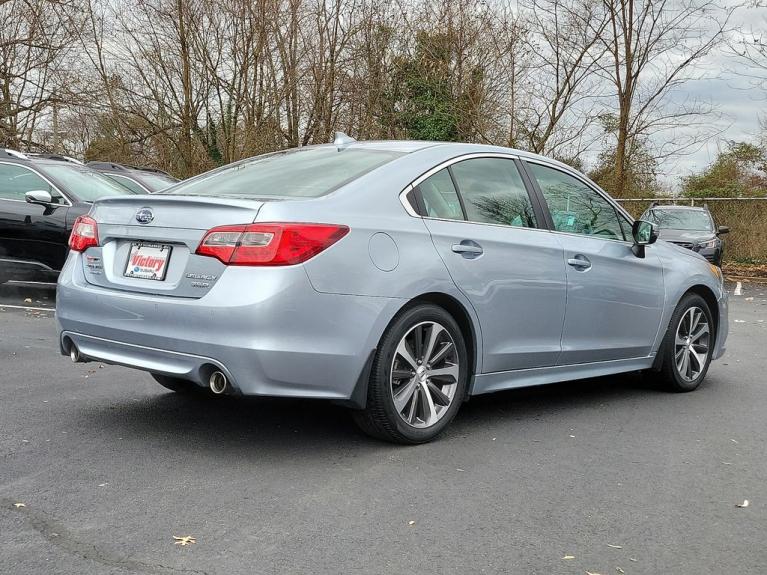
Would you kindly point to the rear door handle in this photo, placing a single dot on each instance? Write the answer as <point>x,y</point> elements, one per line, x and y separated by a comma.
<point>468,249</point>
<point>579,262</point>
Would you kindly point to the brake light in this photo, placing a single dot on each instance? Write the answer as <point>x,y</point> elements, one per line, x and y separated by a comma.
<point>269,244</point>
<point>85,233</point>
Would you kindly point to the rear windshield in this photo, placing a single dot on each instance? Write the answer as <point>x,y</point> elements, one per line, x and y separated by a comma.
<point>691,220</point>
<point>157,182</point>
<point>306,173</point>
<point>84,183</point>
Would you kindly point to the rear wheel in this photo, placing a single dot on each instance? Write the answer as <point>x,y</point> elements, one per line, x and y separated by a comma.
<point>177,384</point>
<point>688,344</point>
<point>418,379</point>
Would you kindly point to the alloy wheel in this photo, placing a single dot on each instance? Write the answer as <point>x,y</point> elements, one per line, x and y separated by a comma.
<point>691,347</point>
<point>424,374</point>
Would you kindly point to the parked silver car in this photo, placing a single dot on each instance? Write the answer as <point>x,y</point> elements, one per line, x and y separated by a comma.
<point>400,278</point>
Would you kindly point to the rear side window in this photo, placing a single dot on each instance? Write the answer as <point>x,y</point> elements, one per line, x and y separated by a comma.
<point>575,207</point>
<point>84,183</point>
<point>493,192</point>
<point>15,181</point>
<point>307,172</point>
<point>439,198</point>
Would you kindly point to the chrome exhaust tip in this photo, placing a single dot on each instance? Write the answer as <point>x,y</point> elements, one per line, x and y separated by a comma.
<point>218,382</point>
<point>74,354</point>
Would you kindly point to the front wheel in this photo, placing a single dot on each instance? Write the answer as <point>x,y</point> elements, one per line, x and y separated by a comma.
<point>688,344</point>
<point>418,379</point>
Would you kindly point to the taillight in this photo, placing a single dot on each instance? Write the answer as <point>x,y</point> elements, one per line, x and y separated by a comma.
<point>85,233</point>
<point>269,244</point>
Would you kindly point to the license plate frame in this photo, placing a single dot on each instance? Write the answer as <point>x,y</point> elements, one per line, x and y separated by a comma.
<point>144,271</point>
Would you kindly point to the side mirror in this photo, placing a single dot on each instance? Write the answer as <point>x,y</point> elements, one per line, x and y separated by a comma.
<point>644,233</point>
<point>39,197</point>
<point>723,230</point>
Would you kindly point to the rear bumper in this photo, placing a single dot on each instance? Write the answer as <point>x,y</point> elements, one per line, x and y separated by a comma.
<point>266,328</point>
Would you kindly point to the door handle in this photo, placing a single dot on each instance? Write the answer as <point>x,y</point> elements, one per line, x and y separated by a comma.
<point>579,262</point>
<point>468,249</point>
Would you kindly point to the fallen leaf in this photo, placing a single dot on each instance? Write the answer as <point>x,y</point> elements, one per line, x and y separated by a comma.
<point>632,559</point>
<point>103,484</point>
<point>568,557</point>
<point>18,505</point>
<point>411,522</point>
<point>748,299</point>
<point>184,540</point>
<point>744,504</point>
<point>740,321</point>
<point>615,546</point>
<point>572,436</point>
<point>619,570</point>
<point>591,573</point>
<point>28,300</point>
<point>733,440</point>
<point>458,469</point>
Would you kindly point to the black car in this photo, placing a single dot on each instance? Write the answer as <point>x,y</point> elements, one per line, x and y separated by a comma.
<point>690,227</point>
<point>140,180</point>
<point>40,198</point>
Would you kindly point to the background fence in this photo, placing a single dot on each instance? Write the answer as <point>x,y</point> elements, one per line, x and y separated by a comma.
<point>746,217</point>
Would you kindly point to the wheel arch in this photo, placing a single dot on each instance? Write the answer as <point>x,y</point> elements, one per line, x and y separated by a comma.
<point>467,323</point>
<point>709,297</point>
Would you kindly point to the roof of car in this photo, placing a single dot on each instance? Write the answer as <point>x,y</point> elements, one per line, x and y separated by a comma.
<point>125,168</point>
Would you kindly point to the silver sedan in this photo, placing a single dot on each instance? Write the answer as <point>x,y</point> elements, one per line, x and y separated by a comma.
<point>398,278</point>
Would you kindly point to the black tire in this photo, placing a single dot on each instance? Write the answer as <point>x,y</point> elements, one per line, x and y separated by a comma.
<point>177,384</point>
<point>380,418</point>
<point>669,373</point>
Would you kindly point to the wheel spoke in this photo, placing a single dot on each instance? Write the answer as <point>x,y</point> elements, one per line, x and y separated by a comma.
<point>683,363</point>
<point>404,353</point>
<point>418,337</point>
<point>430,411</point>
<point>451,370</point>
<point>680,340</point>
<point>690,315</point>
<point>438,395</point>
<point>443,351</point>
<point>679,353</point>
<point>402,397</point>
<point>434,333</point>
<point>413,408</point>
<point>703,330</point>
<point>694,355</point>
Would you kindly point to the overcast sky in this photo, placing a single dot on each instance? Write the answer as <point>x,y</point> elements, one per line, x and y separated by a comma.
<point>734,93</point>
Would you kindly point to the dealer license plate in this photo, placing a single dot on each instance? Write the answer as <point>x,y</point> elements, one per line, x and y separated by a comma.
<point>148,261</point>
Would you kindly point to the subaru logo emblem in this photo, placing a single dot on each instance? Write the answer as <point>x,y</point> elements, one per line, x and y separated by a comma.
<point>144,216</point>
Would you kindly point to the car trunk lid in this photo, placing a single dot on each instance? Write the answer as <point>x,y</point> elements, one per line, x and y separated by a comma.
<point>147,243</point>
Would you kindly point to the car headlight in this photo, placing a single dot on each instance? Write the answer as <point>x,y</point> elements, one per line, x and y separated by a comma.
<point>712,243</point>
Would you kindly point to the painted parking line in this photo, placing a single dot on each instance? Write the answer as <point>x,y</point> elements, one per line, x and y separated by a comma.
<point>4,305</point>
<point>738,289</point>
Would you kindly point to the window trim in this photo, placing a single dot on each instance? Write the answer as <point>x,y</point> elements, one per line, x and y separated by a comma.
<point>539,209</point>
<point>42,176</point>
<point>619,211</point>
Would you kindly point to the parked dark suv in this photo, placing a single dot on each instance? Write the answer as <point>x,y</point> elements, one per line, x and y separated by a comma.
<point>41,195</point>
<point>140,180</point>
<point>690,227</point>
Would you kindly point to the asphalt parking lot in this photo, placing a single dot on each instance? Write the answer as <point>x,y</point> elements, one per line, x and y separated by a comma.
<point>100,468</point>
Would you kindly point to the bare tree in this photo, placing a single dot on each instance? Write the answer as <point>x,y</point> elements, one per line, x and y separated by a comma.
<point>654,47</point>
